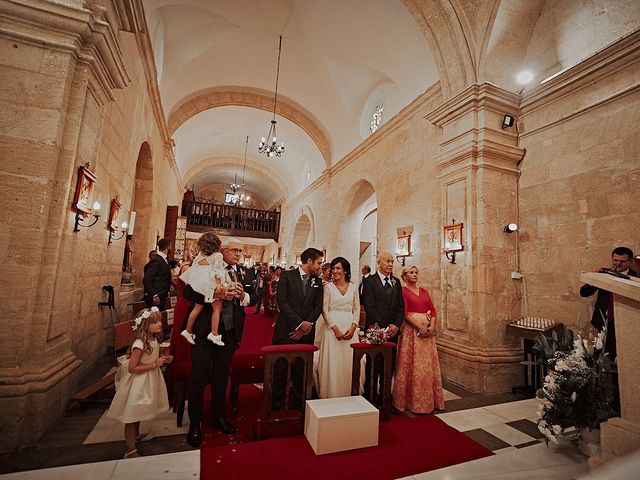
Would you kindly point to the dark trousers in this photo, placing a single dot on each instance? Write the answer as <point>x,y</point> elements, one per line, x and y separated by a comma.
<point>378,375</point>
<point>280,384</point>
<point>210,363</point>
<point>259,298</point>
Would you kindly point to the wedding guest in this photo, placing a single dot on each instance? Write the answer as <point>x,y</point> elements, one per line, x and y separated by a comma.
<point>271,300</point>
<point>157,277</point>
<point>418,383</point>
<point>141,393</point>
<point>326,273</point>
<point>340,313</point>
<point>210,362</point>
<point>384,306</point>
<point>366,271</point>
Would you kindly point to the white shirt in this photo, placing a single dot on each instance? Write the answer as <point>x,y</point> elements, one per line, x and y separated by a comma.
<point>163,255</point>
<point>382,277</point>
<point>245,301</point>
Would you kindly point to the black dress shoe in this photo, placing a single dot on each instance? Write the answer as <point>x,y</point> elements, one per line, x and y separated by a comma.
<point>194,437</point>
<point>224,425</point>
<point>395,411</point>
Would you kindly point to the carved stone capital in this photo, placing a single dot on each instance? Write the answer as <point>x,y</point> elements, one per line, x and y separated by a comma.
<point>82,30</point>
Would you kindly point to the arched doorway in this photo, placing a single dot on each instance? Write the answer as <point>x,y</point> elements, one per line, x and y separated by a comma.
<point>357,237</point>
<point>300,240</point>
<point>140,241</point>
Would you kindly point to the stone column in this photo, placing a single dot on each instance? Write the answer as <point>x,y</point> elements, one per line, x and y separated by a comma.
<point>60,62</point>
<point>478,174</point>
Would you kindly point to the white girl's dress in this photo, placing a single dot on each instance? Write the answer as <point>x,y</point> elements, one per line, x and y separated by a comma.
<point>203,278</point>
<point>139,396</point>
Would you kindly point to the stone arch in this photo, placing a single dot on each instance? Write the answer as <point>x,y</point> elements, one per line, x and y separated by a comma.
<point>361,202</point>
<point>256,98</point>
<point>451,43</point>
<point>301,237</point>
<point>142,203</point>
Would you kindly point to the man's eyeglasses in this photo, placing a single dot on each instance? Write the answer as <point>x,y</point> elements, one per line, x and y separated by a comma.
<point>237,251</point>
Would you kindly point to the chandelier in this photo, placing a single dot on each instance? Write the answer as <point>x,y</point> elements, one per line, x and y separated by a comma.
<point>241,197</point>
<point>271,148</point>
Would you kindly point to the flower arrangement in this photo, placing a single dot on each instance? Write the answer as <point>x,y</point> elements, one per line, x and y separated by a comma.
<point>574,393</point>
<point>375,334</point>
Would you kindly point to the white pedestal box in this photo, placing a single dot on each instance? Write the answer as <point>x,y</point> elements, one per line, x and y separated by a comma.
<point>337,424</point>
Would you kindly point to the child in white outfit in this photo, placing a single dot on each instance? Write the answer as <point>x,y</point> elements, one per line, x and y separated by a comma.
<point>205,275</point>
<point>141,393</point>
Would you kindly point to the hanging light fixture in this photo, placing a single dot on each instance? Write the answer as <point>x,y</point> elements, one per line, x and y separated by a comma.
<point>270,147</point>
<point>239,193</point>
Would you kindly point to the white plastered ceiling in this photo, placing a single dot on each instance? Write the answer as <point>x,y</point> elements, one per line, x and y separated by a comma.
<point>337,56</point>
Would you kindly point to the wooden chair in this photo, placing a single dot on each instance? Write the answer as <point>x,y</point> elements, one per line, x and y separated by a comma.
<point>373,351</point>
<point>288,421</point>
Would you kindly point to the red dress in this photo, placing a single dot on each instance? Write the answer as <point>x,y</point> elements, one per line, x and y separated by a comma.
<point>418,383</point>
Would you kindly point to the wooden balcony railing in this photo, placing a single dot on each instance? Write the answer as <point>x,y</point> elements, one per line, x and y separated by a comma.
<point>231,220</point>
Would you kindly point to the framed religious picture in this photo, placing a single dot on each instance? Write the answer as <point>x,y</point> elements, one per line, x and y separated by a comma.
<point>404,246</point>
<point>453,237</point>
<point>113,214</point>
<point>83,199</point>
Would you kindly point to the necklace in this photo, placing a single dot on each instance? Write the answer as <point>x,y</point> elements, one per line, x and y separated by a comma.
<point>342,288</point>
<point>415,289</point>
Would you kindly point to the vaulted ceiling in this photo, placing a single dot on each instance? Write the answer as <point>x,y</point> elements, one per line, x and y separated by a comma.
<point>216,65</point>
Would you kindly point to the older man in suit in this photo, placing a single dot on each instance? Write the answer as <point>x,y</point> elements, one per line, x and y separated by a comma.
<point>211,362</point>
<point>299,299</point>
<point>384,306</point>
<point>157,276</point>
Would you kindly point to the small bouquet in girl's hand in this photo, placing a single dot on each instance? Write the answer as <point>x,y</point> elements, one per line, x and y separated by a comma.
<point>375,334</point>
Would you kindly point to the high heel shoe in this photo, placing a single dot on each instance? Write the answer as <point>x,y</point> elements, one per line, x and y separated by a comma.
<point>132,454</point>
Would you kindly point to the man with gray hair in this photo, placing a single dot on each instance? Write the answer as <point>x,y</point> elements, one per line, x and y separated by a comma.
<point>384,306</point>
<point>211,362</point>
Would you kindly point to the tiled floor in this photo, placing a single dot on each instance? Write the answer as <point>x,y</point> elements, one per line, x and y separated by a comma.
<point>92,445</point>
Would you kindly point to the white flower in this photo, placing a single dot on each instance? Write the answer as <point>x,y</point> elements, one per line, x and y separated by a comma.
<point>556,429</point>
<point>598,343</point>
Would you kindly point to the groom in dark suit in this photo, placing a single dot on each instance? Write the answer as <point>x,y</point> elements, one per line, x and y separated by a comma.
<point>383,304</point>
<point>299,299</point>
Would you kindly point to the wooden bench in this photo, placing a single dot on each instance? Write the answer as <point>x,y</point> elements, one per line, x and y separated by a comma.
<point>123,338</point>
<point>372,351</point>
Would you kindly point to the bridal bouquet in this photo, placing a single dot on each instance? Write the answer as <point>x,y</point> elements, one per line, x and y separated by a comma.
<point>573,394</point>
<point>375,334</point>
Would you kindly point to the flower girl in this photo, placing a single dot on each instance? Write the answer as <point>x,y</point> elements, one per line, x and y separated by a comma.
<point>205,275</point>
<point>140,389</point>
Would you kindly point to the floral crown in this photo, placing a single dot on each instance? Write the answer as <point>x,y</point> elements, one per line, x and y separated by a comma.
<point>145,314</point>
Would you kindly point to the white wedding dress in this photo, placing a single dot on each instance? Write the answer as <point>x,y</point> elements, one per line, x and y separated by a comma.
<point>336,356</point>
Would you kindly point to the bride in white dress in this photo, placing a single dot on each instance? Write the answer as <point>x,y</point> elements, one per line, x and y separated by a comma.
<point>341,314</point>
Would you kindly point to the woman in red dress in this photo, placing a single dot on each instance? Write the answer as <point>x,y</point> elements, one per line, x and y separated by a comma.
<point>418,383</point>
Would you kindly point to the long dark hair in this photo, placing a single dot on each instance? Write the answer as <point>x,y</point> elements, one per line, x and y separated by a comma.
<point>346,266</point>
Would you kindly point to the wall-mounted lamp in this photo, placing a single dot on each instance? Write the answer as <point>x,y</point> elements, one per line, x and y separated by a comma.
<point>404,247</point>
<point>512,227</point>
<point>113,217</point>
<point>122,230</point>
<point>80,217</point>
<point>508,121</point>
<point>452,240</point>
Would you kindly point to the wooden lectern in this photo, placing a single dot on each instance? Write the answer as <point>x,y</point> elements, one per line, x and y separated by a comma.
<point>621,435</point>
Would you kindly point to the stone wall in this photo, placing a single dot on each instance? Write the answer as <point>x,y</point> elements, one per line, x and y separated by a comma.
<point>75,91</point>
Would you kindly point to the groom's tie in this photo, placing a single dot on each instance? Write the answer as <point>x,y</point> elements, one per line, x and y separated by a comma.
<point>305,284</point>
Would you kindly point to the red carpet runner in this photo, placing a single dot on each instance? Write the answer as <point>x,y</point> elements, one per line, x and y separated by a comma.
<point>407,446</point>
